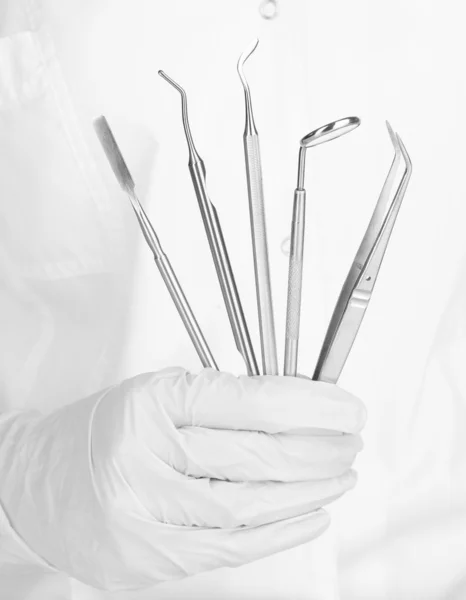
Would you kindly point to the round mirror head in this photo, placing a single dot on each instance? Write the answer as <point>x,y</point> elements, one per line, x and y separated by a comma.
<point>331,131</point>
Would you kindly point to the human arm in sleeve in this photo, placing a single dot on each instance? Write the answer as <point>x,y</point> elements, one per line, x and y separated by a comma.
<point>170,474</point>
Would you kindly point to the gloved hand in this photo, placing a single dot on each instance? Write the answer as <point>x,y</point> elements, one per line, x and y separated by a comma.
<point>170,474</point>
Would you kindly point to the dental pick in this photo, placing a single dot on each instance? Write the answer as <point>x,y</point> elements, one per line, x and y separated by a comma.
<point>258,227</point>
<point>216,242</point>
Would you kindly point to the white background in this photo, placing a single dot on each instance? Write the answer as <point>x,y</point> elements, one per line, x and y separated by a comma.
<point>316,62</point>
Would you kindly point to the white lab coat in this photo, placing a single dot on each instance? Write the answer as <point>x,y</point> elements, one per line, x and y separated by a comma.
<point>81,303</point>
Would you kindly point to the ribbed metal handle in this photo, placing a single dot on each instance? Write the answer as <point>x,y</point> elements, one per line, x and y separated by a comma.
<point>223,267</point>
<point>185,312</point>
<point>261,255</point>
<point>295,278</point>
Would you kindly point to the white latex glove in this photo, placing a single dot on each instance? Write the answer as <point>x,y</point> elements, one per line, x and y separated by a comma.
<point>170,474</point>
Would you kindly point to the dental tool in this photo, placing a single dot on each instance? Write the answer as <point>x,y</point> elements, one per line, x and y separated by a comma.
<point>319,136</point>
<point>360,281</point>
<point>217,242</point>
<point>258,227</point>
<point>121,171</point>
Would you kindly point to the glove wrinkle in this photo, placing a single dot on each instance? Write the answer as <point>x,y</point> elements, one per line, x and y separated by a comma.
<point>171,474</point>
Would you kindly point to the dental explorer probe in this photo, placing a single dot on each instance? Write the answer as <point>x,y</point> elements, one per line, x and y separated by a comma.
<point>121,171</point>
<point>258,227</point>
<point>319,136</point>
<point>216,242</point>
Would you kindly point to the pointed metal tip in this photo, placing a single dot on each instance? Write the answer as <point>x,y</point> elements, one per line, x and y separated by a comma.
<point>390,129</point>
<point>250,127</point>
<point>165,76</point>
<point>393,137</point>
<point>173,83</point>
<point>250,49</point>
<point>409,164</point>
<point>193,155</point>
<point>245,55</point>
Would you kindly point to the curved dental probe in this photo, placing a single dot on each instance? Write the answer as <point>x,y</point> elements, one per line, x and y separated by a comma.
<point>193,155</point>
<point>319,136</point>
<point>258,226</point>
<point>216,242</point>
<point>250,126</point>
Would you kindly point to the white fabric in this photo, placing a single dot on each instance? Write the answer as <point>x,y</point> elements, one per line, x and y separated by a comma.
<point>70,273</point>
<point>171,474</point>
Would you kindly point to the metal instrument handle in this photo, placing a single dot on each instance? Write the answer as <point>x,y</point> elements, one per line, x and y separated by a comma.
<point>223,268</point>
<point>295,278</point>
<point>261,255</point>
<point>185,312</point>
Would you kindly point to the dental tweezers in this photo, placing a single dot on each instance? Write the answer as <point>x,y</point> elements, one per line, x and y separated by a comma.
<point>360,281</point>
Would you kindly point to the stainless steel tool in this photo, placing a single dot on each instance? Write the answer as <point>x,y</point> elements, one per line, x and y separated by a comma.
<point>217,243</point>
<point>126,182</point>
<point>319,136</point>
<point>357,289</point>
<point>258,227</point>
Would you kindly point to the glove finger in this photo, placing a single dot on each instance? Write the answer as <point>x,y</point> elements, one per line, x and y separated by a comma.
<point>256,503</point>
<point>272,404</point>
<point>172,552</point>
<point>216,503</point>
<point>255,456</point>
<point>213,548</point>
<point>172,497</point>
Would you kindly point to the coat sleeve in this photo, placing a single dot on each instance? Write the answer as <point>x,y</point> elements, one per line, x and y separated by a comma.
<point>51,519</point>
<point>22,571</point>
